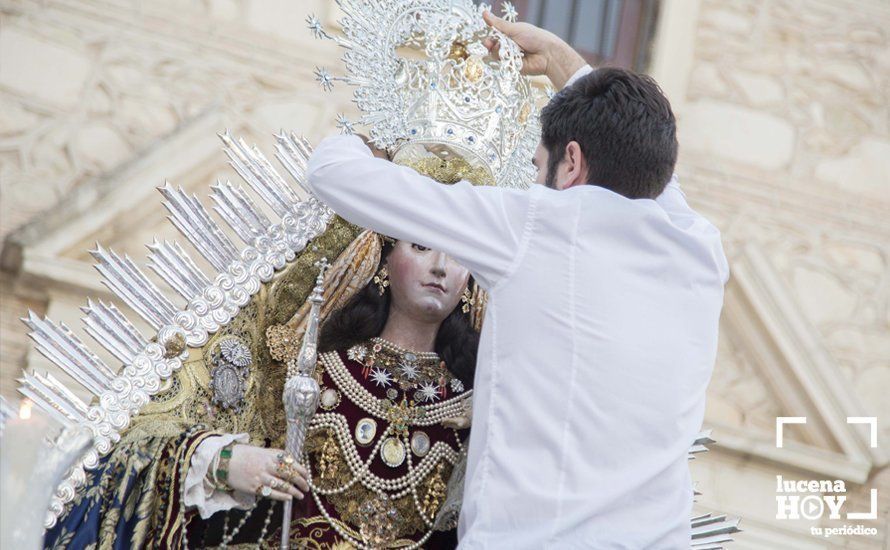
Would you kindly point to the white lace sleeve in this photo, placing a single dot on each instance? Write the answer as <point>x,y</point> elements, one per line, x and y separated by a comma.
<point>199,493</point>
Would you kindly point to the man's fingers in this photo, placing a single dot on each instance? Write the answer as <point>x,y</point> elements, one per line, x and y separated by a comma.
<point>494,47</point>
<point>496,22</point>
<point>277,469</point>
<point>293,491</point>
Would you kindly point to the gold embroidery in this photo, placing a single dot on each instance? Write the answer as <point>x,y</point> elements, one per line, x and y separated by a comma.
<point>327,462</point>
<point>436,490</point>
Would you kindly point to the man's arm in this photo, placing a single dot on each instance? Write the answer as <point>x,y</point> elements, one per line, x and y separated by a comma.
<point>480,227</point>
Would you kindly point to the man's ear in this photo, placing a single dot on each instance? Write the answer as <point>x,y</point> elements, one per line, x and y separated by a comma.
<point>575,166</point>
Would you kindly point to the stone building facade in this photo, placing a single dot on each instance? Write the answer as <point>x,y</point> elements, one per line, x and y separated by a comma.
<point>784,121</point>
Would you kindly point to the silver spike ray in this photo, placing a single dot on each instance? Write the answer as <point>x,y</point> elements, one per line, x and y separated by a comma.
<point>123,277</point>
<point>236,207</point>
<point>58,344</point>
<point>259,174</point>
<point>177,269</point>
<point>194,222</point>
<point>711,532</point>
<point>107,325</point>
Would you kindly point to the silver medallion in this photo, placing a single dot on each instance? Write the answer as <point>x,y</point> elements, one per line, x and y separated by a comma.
<point>228,377</point>
<point>329,399</point>
<point>392,393</point>
<point>393,452</point>
<point>420,443</point>
<point>365,430</point>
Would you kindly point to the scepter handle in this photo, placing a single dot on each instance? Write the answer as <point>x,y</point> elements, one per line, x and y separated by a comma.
<point>300,395</point>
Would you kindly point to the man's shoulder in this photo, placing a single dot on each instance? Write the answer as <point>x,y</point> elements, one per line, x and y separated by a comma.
<point>592,202</point>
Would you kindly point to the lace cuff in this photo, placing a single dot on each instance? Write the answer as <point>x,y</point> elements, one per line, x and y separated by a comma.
<point>199,493</point>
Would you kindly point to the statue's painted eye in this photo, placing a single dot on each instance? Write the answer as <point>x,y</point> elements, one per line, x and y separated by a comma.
<point>419,247</point>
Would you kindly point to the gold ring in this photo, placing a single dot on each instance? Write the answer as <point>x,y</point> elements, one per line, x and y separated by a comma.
<point>287,469</point>
<point>291,473</point>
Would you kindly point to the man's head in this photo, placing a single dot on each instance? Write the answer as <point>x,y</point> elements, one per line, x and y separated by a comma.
<point>612,128</point>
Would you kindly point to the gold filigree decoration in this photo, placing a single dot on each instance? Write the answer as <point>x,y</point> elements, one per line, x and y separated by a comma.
<point>328,465</point>
<point>282,342</point>
<point>451,170</point>
<point>436,489</point>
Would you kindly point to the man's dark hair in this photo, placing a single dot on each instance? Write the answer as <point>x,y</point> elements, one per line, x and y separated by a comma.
<point>624,126</point>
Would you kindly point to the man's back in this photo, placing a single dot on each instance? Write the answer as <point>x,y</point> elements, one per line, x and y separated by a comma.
<point>581,434</point>
<point>596,349</point>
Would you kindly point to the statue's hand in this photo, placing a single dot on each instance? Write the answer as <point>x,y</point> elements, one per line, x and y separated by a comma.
<point>251,468</point>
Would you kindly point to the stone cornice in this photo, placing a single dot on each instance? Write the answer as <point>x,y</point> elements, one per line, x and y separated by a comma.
<point>232,42</point>
<point>90,205</point>
<point>774,197</point>
<point>801,373</point>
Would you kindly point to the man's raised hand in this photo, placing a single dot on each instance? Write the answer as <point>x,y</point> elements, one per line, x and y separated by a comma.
<point>379,153</point>
<point>545,53</point>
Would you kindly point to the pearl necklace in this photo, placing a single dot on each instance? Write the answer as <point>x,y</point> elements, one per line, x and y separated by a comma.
<point>412,488</point>
<point>426,415</point>
<point>361,470</point>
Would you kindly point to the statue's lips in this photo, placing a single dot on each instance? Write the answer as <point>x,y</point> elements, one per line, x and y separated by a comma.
<point>436,287</point>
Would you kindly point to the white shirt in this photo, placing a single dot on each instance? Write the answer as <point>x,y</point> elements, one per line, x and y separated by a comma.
<point>596,349</point>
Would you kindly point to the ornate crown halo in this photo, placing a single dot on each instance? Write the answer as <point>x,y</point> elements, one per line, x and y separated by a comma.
<point>453,101</point>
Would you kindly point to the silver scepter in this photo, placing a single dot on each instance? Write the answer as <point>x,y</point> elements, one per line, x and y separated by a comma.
<point>301,390</point>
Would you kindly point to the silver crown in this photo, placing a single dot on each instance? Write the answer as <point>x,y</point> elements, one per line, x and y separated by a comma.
<point>426,84</point>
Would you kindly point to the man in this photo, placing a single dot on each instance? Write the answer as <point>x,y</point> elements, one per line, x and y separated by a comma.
<point>601,332</point>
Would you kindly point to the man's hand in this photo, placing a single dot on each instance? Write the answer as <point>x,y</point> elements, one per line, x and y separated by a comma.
<point>379,153</point>
<point>545,53</point>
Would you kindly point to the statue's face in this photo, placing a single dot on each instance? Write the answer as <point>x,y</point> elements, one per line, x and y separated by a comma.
<point>425,284</point>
